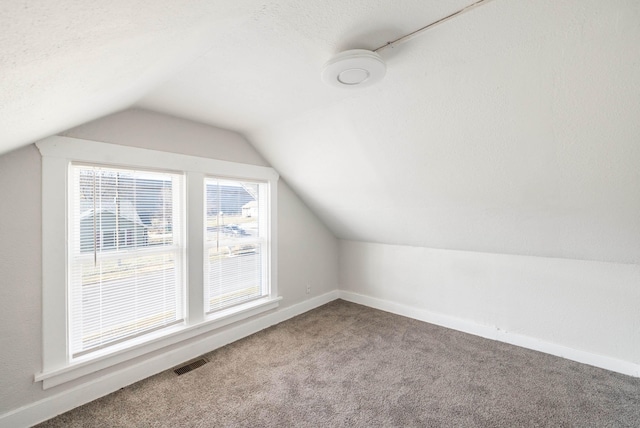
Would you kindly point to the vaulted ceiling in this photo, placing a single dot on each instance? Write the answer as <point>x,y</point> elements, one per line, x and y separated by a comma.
<point>513,128</point>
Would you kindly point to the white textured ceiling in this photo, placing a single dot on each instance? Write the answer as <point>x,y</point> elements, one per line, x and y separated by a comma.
<point>513,128</point>
<point>65,62</point>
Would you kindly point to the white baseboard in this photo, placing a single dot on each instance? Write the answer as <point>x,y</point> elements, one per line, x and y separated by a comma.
<point>466,326</point>
<point>49,407</point>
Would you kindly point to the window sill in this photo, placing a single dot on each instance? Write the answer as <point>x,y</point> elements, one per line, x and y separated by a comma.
<point>129,350</point>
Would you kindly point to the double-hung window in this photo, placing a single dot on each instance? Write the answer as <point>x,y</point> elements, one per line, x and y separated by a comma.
<point>144,249</point>
<point>236,242</point>
<point>125,254</point>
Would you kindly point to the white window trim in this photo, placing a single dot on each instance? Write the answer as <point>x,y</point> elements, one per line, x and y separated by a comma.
<point>57,154</point>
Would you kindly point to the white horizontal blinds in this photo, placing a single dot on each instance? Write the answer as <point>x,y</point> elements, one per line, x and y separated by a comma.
<point>235,243</point>
<point>126,254</point>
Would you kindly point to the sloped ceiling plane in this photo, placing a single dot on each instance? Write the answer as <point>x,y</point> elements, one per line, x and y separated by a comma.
<point>512,128</point>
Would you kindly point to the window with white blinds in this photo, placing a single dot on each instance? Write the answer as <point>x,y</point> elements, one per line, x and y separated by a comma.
<point>236,236</point>
<point>145,250</point>
<point>126,254</point>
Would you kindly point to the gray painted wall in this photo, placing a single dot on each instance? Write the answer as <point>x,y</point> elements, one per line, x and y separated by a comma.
<point>301,261</point>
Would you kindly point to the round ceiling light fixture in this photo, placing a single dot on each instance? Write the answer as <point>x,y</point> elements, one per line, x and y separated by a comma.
<point>355,68</point>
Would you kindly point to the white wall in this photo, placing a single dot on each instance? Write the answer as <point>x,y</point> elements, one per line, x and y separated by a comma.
<point>583,310</point>
<point>307,250</point>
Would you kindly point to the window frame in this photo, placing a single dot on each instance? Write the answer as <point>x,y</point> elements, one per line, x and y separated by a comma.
<point>57,155</point>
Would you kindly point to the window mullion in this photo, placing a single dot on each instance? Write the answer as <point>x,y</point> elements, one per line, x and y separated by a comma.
<point>195,247</point>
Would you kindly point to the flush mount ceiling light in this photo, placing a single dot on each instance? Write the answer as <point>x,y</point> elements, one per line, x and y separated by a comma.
<point>358,68</point>
<point>354,68</point>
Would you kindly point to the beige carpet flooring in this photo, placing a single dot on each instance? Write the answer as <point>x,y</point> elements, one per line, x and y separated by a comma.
<point>346,365</point>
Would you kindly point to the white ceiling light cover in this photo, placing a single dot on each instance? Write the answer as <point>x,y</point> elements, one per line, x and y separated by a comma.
<point>354,68</point>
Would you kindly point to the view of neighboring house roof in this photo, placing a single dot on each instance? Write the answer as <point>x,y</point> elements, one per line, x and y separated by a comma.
<point>126,210</point>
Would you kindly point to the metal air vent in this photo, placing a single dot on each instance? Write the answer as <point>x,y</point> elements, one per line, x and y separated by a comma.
<point>191,366</point>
